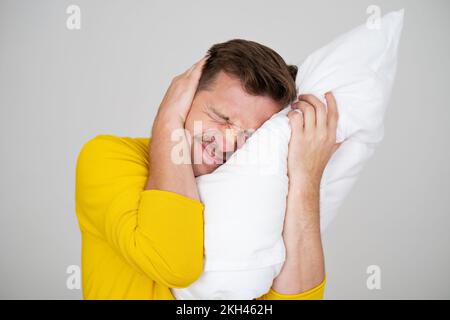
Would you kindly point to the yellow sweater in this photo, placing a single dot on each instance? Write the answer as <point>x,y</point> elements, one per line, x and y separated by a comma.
<point>136,243</point>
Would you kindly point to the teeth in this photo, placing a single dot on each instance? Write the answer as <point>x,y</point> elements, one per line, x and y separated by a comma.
<point>210,146</point>
<point>211,149</point>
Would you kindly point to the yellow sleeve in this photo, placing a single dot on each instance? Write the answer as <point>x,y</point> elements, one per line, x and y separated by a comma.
<point>315,293</point>
<point>159,233</point>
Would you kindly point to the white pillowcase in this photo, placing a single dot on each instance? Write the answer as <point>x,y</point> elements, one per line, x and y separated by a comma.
<point>245,198</point>
<point>359,68</point>
<point>245,204</point>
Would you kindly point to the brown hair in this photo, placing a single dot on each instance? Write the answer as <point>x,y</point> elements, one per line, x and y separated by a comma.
<point>261,70</point>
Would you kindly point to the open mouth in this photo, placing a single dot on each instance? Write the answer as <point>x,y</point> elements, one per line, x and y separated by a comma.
<point>210,153</point>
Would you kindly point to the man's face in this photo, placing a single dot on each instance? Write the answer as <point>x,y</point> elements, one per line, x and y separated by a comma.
<point>221,119</point>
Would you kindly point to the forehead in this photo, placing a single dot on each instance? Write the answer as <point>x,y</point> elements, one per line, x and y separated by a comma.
<point>245,110</point>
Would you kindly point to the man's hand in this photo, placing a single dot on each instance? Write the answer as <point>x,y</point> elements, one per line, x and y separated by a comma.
<point>179,96</point>
<point>164,174</point>
<point>313,138</point>
<point>313,141</point>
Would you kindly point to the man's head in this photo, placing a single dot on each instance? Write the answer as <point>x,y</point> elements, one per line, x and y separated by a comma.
<point>243,84</point>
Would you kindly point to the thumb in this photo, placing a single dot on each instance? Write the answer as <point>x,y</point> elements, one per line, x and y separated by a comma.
<point>337,145</point>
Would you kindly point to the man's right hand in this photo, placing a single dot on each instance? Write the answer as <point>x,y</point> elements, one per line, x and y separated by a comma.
<point>178,99</point>
<point>165,174</point>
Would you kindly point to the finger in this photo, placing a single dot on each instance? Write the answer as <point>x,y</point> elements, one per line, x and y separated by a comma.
<point>309,118</point>
<point>189,71</point>
<point>320,108</point>
<point>296,120</point>
<point>332,113</point>
<point>311,99</point>
<point>196,69</point>
<point>309,114</point>
<point>300,105</point>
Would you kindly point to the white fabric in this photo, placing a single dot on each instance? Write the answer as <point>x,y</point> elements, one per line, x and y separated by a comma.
<point>359,68</point>
<point>245,203</point>
<point>245,198</point>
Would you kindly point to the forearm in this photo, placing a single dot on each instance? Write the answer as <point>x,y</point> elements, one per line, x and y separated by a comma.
<point>304,266</point>
<point>166,172</point>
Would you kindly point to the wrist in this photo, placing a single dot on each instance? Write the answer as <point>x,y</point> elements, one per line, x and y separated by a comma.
<point>304,182</point>
<point>304,203</point>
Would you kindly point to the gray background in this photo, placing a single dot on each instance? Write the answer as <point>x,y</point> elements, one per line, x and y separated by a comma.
<point>59,88</point>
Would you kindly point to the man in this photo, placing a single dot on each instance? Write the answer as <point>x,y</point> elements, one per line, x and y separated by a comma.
<point>139,210</point>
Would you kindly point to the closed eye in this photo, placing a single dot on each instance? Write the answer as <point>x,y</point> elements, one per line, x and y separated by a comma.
<point>216,115</point>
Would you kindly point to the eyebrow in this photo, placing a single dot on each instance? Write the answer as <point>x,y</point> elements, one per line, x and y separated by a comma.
<point>218,113</point>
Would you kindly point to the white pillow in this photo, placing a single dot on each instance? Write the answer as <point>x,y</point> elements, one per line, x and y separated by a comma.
<point>245,204</point>
<point>245,201</point>
<point>359,68</point>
